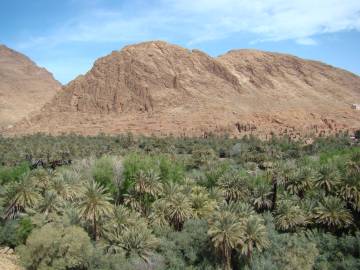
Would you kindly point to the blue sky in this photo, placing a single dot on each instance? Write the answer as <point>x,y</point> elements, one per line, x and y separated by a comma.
<point>67,36</point>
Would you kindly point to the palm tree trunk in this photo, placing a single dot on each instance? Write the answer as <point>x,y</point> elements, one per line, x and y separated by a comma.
<point>249,255</point>
<point>274,198</point>
<point>95,227</point>
<point>301,194</point>
<point>228,263</point>
<point>226,258</point>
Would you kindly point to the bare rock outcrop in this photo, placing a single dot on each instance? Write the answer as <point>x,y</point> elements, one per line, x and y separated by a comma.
<point>159,88</point>
<point>24,87</point>
<point>147,77</point>
<point>8,260</point>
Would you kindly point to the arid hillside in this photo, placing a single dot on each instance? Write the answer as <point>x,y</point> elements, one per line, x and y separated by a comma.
<point>159,88</point>
<point>24,87</point>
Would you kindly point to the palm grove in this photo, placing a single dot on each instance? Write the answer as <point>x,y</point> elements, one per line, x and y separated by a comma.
<point>180,203</point>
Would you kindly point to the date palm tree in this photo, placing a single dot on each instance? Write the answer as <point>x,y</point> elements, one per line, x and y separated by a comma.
<point>148,182</point>
<point>95,204</point>
<point>139,241</point>
<point>176,203</point>
<point>148,187</point>
<point>67,185</point>
<point>133,200</point>
<point>122,217</point>
<point>239,209</point>
<point>234,186</point>
<point>329,178</point>
<point>262,195</point>
<point>254,236</point>
<point>350,192</point>
<point>216,194</point>
<point>333,214</point>
<point>201,203</point>
<point>178,210</point>
<point>226,232</point>
<point>19,196</point>
<point>279,175</point>
<point>121,220</point>
<point>286,171</point>
<point>188,184</point>
<point>353,165</point>
<point>350,184</point>
<point>50,203</point>
<point>158,215</point>
<point>302,181</point>
<point>40,178</point>
<point>289,216</point>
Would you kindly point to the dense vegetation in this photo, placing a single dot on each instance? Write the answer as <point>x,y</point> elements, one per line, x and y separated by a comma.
<point>72,202</point>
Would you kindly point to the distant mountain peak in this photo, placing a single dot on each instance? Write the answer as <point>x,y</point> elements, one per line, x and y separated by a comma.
<point>24,87</point>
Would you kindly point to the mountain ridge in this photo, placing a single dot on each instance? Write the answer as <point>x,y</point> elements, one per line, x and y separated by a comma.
<point>160,88</point>
<point>24,86</point>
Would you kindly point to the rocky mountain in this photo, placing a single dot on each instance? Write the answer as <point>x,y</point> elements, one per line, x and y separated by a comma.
<point>24,87</point>
<point>159,88</point>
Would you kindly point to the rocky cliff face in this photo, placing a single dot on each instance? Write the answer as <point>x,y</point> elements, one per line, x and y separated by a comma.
<point>24,87</point>
<point>148,77</point>
<point>159,88</point>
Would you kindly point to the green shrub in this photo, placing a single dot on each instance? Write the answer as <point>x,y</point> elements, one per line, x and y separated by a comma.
<point>213,173</point>
<point>24,229</point>
<point>190,247</point>
<point>8,234</point>
<point>288,252</point>
<point>103,173</point>
<point>170,170</point>
<point>133,164</point>
<point>56,247</point>
<point>15,232</point>
<point>336,252</point>
<point>10,174</point>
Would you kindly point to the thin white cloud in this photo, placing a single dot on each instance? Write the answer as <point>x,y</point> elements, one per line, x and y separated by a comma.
<point>202,20</point>
<point>306,41</point>
<point>276,19</point>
